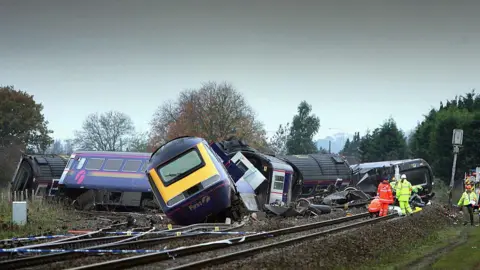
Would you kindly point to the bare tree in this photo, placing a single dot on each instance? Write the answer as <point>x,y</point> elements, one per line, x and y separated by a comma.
<point>278,142</point>
<point>105,132</point>
<point>68,147</point>
<point>138,142</point>
<point>56,148</point>
<point>213,112</point>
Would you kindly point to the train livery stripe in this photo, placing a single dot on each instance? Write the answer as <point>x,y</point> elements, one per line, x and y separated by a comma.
<point>115,174</point>
<point>191,180</point>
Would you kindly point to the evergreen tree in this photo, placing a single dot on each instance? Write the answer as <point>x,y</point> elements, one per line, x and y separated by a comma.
<point>304,127</point>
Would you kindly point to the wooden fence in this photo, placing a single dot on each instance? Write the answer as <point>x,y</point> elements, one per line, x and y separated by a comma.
<point>25,195</point>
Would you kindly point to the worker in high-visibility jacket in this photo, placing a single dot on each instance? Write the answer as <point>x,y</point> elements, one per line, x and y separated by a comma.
<point>468,200</point>
<point>375,207</point>
<point>404,191</point>
<point>393,184</point>
<point>384,192</point>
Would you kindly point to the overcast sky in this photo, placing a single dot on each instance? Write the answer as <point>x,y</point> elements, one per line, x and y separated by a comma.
<point>356,62</point>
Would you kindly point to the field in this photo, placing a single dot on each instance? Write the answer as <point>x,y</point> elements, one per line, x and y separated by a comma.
<point>43,218</point>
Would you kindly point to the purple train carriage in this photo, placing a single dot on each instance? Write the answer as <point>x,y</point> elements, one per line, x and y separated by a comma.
<point>109,179</point>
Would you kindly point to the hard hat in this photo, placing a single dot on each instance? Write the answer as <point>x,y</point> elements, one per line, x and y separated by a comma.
<point>393,178</point>
<point>403,176</point>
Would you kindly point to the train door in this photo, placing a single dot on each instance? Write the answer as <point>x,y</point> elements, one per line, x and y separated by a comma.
<point>277,186</point>
<point>287,194</point>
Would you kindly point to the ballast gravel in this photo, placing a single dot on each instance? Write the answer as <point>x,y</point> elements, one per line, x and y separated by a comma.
<point>350,249</point>
<point>266,224</point>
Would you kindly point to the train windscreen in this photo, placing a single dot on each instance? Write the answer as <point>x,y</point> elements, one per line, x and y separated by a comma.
<point>418,176</point>
<point>180,166</point>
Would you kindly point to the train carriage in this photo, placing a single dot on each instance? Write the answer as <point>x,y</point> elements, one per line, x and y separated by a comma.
<point>39,173</point>
<point>93,178</point>
<point>368,175</point>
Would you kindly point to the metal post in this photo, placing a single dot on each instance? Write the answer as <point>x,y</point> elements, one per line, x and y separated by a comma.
<point>456,149</point>
<point>457,140</point>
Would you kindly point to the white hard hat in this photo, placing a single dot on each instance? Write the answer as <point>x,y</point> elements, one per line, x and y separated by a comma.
<point>403,176</point>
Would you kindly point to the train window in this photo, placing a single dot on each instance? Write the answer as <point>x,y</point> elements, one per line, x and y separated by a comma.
<point>278,182</point>
<point>113,165</point>
<point>69,164</point>
<point>180,166</point>
<point>417,176</point>
<point>80,163</point>
<point>132,165</point>
<point>241,166</point>
<point>94,163</point>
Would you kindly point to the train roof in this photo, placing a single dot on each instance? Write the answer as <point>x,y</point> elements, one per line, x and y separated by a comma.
<point>319,166</point>
<point>112,153</point>
<point>42,168</point>
<point>173,148</point>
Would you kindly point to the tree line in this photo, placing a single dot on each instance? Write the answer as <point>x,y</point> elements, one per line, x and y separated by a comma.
<point>218,111</point>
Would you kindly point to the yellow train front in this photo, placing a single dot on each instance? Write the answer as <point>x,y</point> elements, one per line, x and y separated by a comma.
<point>189,181</point>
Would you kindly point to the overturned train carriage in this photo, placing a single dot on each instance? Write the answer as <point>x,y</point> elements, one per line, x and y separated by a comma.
<point>39,173</point>
<point>367,176</point>
<point>109,180</point>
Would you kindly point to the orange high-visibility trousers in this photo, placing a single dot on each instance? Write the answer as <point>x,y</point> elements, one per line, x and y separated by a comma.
<point>384,209</point>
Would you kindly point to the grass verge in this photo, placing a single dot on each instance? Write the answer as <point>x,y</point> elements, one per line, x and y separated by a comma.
<point>466,256</point>
<point>421,253</point>
<point>42,218</point>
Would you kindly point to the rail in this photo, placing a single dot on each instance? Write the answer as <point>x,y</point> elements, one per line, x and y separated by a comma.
<point>234,255</point>
<point>123,242</point>
<point>204,247</point>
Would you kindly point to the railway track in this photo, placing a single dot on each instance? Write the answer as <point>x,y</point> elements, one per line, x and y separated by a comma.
<point>162,259</point>
<point>59,243</point>
<point>109,242</point>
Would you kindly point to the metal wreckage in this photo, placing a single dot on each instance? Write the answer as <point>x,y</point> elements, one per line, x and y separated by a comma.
<point>193,181</point>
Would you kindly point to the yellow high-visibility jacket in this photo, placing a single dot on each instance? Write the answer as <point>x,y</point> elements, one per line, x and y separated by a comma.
<point>467,198</point>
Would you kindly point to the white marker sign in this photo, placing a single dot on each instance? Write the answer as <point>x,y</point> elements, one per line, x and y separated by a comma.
<point>457,138</point>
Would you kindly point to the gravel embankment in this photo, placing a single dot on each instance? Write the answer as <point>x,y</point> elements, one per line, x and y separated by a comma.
<point>349,249</point>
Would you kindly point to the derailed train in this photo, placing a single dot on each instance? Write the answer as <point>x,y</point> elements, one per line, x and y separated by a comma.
<point>249,179</point>
<point>193,180</point>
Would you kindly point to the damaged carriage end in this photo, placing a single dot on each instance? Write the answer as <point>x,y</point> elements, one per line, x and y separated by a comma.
<point>192,185</point>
